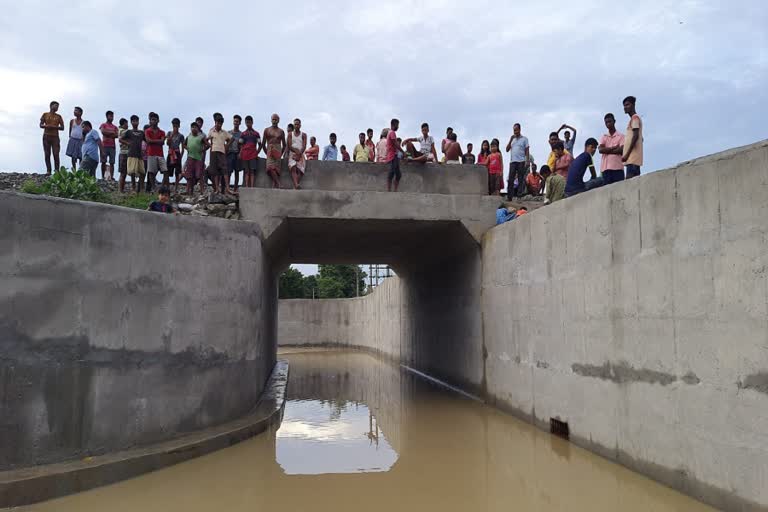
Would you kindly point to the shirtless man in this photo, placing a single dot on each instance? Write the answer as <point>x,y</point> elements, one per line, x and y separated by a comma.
<point>452,150</point>
<point>274,145</point>
<point>297,145</point>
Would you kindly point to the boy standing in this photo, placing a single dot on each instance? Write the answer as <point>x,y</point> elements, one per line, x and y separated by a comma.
<point>218,140</point>
<point>133,139</point>
<point>344,153</point>
<point>155,138</point>
<point>51,123</point>
<point>194,169</point>
<point>250,146</point>
<point>234,165</point>
<point>74,146</point>
<point>122,161</point>
<point>174,139</point>
<point>469,158</point>
<point>109,132</point>
<point>393,159</point>
<point>633,141</point>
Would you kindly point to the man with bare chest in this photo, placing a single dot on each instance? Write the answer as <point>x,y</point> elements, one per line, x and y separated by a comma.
<point>452,150</point>
<point>274,145</point>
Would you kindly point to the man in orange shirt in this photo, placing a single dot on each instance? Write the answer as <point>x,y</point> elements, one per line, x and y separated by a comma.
<point>51,123</point>
<point>534,182</point>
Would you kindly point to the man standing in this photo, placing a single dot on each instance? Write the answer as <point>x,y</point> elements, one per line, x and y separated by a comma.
<point>575,182</point>
<point>297,145</point>
<point>51,123</point>
<point>274,145</point>
<point>91,149</point>
<point>234,164</point>
<point>611,148</point>
<point>331,152</point>
<point>250,147</point>
<point>519,157</point>
<point>361,153</point>
<point>393,148</point>
<point>370,145</point>
<point>175,140</point>
<point>133,138</point>
<point>427,151</point>
<point>75,143</point>
<point>155,139</point>
<point>633,142</point>
<point>109,132</point>
<point>569,141</point>
<point>218,140</point>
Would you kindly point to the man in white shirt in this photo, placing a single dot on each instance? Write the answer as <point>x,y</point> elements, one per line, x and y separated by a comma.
<point>426,151</point>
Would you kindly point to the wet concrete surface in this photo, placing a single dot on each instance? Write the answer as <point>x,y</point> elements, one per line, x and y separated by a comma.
<point>360,434</point>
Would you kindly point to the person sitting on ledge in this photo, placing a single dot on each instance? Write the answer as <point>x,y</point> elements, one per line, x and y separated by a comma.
<point>453,153</point>
<point>426,152</point>
<point>575,181</point>
<point>313,151</point>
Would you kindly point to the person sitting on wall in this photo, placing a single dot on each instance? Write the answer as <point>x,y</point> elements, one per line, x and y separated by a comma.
<point>426,151</point>
<point>575,181</point>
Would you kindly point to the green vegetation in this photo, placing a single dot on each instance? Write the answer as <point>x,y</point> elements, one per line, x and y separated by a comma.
<point>332,282</point>
<point>137,201</point>
<point>74,185</point>
<point>31,187</point>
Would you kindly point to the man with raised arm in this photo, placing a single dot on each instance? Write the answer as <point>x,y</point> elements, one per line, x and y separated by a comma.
<point>568,141</point>
<point>274,145</point>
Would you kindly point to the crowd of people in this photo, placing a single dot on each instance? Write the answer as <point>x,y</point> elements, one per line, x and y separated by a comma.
<point>140,153</point>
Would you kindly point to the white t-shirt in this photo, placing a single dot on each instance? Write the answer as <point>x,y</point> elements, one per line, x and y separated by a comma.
<point>426,144</point>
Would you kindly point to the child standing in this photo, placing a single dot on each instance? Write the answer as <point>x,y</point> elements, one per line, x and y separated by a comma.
<point>495,165</point>
<point>74,146</point>
<point>344,153</point>
<point>174,139</point>
<point>163,203</point>
<point>250,146</point>
<point>485,150</point>
<point>122,162</point>
<point>194,168</point>
<point>234,164</point>
<point>134,141</point>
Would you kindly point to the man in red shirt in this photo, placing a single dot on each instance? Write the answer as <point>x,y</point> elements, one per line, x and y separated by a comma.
<point>155,138</point>
<point>109,133</point>
<point>392,158</point>
<point>534,182</point>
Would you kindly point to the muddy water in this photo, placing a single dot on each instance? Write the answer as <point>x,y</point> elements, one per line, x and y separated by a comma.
<point>360,435</point>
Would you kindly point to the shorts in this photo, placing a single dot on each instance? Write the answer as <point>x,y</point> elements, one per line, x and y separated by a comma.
<point>174,166</point>
<point>633,171</point>
<point>218,164</point>
<point>613,176</point>
<point>193,169</point>
<point>122,163</point>
<point>234,164</point>
<point>89,165</point>
<point>155,164</point>
<point>51,143</point>
<point>250,165</point>
<point>136,166</point>
<point>108,154</point>
<point>394,170</point>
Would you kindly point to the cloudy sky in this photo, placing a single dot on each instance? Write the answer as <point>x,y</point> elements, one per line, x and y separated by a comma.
<point>698,67</point>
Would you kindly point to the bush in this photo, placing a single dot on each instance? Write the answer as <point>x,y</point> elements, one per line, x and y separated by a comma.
<point>31,187</point>
<point>74,185</point>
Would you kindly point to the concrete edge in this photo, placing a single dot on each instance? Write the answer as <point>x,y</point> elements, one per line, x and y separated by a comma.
<point>40,483</point>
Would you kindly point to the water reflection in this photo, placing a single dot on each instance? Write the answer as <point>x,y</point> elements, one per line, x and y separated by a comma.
<point>320,437</point>
<point>436,452</point>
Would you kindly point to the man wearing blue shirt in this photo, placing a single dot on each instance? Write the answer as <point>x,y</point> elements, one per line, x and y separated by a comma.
<point>331,152</point>
<point>519,160</point>
<point>91,149</point>
<point>575,182</point>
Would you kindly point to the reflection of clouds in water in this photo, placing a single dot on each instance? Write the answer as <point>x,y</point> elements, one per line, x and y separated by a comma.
<point>318,437</point>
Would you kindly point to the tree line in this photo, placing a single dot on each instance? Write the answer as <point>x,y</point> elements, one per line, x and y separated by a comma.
<point>331,282</point>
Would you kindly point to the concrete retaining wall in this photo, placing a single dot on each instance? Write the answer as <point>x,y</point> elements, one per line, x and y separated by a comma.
<point>638,314</point>
<point>120,327</point>
<point>353,176</point>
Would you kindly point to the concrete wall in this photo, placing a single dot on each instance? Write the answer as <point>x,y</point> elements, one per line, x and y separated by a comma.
<point>638,314</point>
<point>350,176</point>
<point>120,327</point>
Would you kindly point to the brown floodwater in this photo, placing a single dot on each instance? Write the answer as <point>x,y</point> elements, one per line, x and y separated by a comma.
<point>362,435</point>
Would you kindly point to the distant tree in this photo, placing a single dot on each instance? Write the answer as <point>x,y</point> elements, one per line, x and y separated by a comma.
<point>340,281</point>
<point>291,284</point>
<point>310,287</point>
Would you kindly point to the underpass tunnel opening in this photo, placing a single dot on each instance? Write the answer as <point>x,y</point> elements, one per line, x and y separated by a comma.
<point>438,267</point>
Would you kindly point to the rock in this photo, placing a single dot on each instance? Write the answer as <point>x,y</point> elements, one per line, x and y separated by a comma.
<point>216,208</point>
<point>185,207</point>
<point>228,214</point>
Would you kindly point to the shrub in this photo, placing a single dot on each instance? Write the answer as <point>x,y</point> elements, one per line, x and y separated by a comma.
<point>74,185</point>
<point>31,187</point>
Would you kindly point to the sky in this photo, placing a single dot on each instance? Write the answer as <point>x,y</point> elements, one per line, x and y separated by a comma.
<point>699,68</point>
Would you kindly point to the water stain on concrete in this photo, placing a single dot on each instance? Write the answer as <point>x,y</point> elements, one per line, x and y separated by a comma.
<point>622,372</point>
<point>756,382</point>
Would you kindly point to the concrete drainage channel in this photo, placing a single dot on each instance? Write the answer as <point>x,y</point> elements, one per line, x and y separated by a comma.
<point>40,483</point>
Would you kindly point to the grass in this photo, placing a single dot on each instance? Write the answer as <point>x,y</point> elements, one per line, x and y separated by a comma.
<point>130,200</point>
